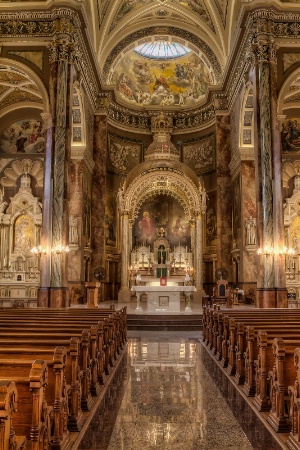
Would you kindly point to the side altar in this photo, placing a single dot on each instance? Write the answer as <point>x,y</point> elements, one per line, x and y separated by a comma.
<point>163,298</point>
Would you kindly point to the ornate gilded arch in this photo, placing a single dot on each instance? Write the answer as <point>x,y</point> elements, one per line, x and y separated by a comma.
<point>161,181</point>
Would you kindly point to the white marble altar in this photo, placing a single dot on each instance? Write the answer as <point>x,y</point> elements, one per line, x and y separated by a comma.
<point>163,298</point>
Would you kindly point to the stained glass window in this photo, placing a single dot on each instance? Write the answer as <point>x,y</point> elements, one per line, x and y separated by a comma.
<point>162,50</point>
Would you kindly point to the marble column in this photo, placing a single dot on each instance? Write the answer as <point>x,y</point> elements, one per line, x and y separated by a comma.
<point>248,261</point>
<point>224,200</point>
<point>271,291</point>
<point>197,296</point>
<point>124,293</point>
<point>60,56</point>
<point>98,193</point>
<point>76,273</point>
<point>45,260</point>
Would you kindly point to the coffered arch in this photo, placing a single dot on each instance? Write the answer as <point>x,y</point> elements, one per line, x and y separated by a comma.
<point>20,87</point>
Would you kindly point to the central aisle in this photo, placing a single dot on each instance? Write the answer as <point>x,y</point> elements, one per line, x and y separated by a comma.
<point>167,400</point>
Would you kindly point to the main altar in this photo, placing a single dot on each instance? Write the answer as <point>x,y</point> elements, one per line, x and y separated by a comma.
<point>161,206</point>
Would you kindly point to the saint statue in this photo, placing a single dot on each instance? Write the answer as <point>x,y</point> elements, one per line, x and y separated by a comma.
<point>73,230</point>
<point>250,231</point>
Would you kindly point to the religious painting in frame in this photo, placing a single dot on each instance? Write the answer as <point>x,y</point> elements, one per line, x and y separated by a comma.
<point>123,153</point>
<point>162,212</point>
<point>290,136</point>
<point>111,219</point>
<point>23,136</point>
<point>199,154</point>
<point>211,219</point>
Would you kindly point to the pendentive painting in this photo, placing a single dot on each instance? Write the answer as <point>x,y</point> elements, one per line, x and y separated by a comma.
<point>24,136</point>
<point>124,154</point>
<point>290,136</point>
<point>162,214</point>
<point>199,154</point>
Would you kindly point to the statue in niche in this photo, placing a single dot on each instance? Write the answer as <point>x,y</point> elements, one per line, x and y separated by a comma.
<point>73,230</point>
<point>120,198</point>
<point>250,231</point>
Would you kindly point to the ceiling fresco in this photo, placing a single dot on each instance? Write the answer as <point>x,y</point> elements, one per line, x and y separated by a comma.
<point>125,8</point>
<point>199,8</point>
<point>181,81</point>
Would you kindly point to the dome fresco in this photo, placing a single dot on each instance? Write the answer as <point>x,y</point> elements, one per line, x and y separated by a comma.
<point>173,81</point>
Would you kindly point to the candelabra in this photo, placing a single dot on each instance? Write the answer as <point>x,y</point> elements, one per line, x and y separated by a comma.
<point>60,249</point>
<point>39,251</point>
<point>268,250</point>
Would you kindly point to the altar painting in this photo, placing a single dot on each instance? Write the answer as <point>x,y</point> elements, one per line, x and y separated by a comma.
<point>24,136</point>
<point>290,136</point>
<point>162,214</point>
<point>24,233</point>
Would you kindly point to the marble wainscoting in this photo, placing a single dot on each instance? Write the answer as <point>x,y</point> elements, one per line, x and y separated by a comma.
<point>166,399</point>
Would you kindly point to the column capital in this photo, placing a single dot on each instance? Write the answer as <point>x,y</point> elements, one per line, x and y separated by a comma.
<point>265,51</point>
<point>61,50</point>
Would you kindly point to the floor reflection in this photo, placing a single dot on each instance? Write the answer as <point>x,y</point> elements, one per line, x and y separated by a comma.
<point>165,398</point>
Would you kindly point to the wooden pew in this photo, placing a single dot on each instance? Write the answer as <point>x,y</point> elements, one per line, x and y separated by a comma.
<point>294,406</point>
<point>8,405</point>
<point>113,328</point>
<point>32,417</point>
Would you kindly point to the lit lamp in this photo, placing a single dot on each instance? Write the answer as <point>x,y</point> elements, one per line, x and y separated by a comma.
<point>38,250</point>
<point>60,249</point>
<point>268,250</point>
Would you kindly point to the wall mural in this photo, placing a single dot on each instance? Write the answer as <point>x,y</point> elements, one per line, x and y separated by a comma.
<point>199,154</point>
<point>24,136</point>
<point>211,218</point>
<point>181,81</point>
<point>111,219</point>
<point>290,136</point>
<point>164,212</point>
<point>124,154</point>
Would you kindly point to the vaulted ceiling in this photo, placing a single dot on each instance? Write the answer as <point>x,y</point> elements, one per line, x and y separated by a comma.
<point>206,28</point>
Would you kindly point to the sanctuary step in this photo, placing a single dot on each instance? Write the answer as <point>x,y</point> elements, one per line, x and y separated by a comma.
<point>179,322</point>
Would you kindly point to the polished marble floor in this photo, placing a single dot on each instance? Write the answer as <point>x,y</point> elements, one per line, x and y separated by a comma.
<point>167,395</point>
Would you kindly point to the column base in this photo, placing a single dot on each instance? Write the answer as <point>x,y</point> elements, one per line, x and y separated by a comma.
<point>43,297</point>
<point>124,296</point>
<point>271,298</point>
<point>59,297</point>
